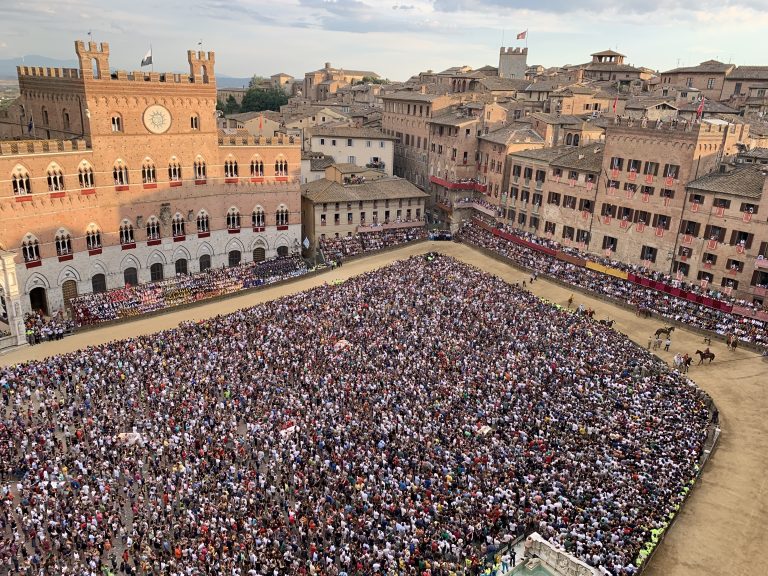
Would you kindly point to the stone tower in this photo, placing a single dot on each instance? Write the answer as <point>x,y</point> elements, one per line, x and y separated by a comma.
<point>513,62</point>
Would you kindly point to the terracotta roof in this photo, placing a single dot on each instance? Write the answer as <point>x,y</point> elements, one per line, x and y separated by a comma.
<point>453,118</point>
<point>555,119</point>
<point>494,83</point>
<point>757,153</point>
<point>385,188</point>
<point>351,132</point>
<point>749,73</point>
<point>710,106</point>
<point>705,67</point>
<point>607,53</point>
<point>588,158</point>
<point>746,180</point>
<point>319,164</point>
<point>514,133</point>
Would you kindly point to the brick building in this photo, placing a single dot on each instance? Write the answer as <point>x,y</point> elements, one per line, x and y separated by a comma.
<point>708,77</point>
<point>148,188</point>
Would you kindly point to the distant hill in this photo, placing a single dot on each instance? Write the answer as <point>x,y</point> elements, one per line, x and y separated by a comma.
<point>231,82</point>
<point>8,65</point>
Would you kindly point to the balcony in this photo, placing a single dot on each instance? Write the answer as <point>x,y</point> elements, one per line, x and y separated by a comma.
<point>466,184</point>
<point>480,207</point>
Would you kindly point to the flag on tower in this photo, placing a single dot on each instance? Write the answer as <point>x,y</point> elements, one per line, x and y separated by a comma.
<point>147,60</point>
<point>522,35</point>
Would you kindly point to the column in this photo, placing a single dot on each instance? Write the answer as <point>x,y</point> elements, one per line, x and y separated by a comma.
<point>13,303</point>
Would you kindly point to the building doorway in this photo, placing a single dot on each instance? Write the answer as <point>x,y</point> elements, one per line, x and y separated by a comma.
<point>259,254</point>
<point>234,258</point>
<point>282,251</point>
<point>69,291</point>
<point>38,299</point>
<point>205,262</point>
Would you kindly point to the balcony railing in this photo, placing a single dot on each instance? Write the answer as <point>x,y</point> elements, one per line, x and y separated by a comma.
<point>468,184</point>
<point>389,225</point>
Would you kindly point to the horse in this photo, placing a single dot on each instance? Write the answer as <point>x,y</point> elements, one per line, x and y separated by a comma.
<point>732,342</point>
<point>643,312</point>
<point>706,355</point>
<point>608,323</point>
<point>666,331</point>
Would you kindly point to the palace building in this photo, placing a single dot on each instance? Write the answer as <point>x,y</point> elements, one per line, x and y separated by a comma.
<point>124,178</point>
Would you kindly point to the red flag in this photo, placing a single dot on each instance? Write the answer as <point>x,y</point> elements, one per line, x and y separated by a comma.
<point>615,101</point>
<point>261,121</point>
<point>700,109</point>
<point>522,35</point>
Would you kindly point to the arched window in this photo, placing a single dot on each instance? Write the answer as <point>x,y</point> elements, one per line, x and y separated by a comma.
<point>181,266</point>
<point>120,173</point>
<point>153,228</point>
<point>259,254</point>
<point>126,233</point>
<point>117,123</point>
<point>230,168</point>
<point>156,272</point>
<point>281,216</point>
<point>257,168</point>
<point>281,167</point>
<point>202,222</point>
<point>569,139</point>
<point>85,175</point>
<point>199,167</point>
<point>257,217</point>
<point>194,122</point>
<point>65,118</point>
<point>205,262</point>
<point>148,175</point>
<point>45,116</point>
<point>20,181</point>
<point>575,139</point>
<point>55,178</point>
<point>174,171</point>
<point>99,283</point>
<point>177,225</point>
<point>30,249</point>
<point>131,276</point>
<point>93,237</point>
<point>234,258</point>
<point>63,243</point>
<point>233,219</point>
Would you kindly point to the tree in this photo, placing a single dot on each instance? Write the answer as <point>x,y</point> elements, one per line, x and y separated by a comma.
<point>258,99</point>
<point>231,107</point>
<point>256,81</point>
<point>372,80</point>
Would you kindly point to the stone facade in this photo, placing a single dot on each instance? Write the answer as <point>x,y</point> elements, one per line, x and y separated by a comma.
<point>150,160</point>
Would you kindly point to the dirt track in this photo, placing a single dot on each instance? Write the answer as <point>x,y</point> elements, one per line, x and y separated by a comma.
<point>721,530</point>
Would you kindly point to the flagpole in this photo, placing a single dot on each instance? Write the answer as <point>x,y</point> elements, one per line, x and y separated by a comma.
<point>152,64</point>
<point>526,38</point>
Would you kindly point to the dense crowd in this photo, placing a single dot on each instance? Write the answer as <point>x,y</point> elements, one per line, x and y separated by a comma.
<point>40,328</point>
<point>182,289</point>
<point>665,305</point>
<point>405,421</point>
<point>333,248</point>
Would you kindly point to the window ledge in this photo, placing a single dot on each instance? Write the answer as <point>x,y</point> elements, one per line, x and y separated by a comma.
<point>200,181</point>
<point>203,234</point>
<point>179,238</point>
<point>128,246</point>
<point>149,185</point>
<point>34,263</point>
<point>153,242</point>
<point>122,188</point>
<point>94,252</point>
<point>231,180</point>
<point>26,198</point>
<point>66,257</point>
<point>57,194</point>
<point>233,230</point>
<point>175,183</point>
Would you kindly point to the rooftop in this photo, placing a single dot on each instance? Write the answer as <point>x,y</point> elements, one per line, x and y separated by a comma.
<point>749,73</point>
<point>324,190</point>
<point>351,132</point>
<point>588,158</point>
<point>746,180</point>
<point>705,67</point>
<point>515,133</point>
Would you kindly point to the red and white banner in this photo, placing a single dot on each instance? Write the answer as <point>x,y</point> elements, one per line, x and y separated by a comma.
<point>687,239</point>
<point>740,248</point>
<point>624,224</point>
<point>585,214</point>
<point>614,173</point>
<point>649,178</point>
<point>747,216</point>
<point>694,207</point>
<point>659,231</point>
<point>646,198</point>
<point>590,185</point>
<point>640,227</point>
<point>669,181</point>
<point>712,244</point>
<point>679,275</point>
<point>719,210</point>
<point>606,219</point>
<point>704,283</point>
<point>632,175</point>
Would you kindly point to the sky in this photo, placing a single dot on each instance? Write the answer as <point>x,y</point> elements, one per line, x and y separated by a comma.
<point>395,38</point>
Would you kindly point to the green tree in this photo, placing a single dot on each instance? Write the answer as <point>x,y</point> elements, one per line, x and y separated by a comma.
<point>256,81</point>
<point>258,99</point>
<point>231,106</point>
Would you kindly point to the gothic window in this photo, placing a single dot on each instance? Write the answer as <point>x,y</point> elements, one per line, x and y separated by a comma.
<point>85,176</point>
<point>20,181</point>
<point>117,123</point>
<point>257,217</point>
<point>194,122</point>
<point>257,168</point>
<point>65,118</point>
<point>93,237</point>
<point>120,174</point>
<point>153,229</point>
<point>63,243</point>
<point>281,167</point>
<point>230,168</point>
<point>174,171</point>
<point>233,219</point>
<point>202,222</point>
<point>177,225</point>
<point>55,178</point>
<point>281,217</point>
<point>148,174</point>
<point>199,167</point>
<point>126,233</point>
<point>30,248</point>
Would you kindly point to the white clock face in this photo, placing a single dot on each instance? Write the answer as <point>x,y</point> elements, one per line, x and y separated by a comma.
<point>157,119</point>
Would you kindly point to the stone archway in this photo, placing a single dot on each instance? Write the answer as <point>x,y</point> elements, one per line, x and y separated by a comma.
<point>69,293</point>
<point>38,300</point>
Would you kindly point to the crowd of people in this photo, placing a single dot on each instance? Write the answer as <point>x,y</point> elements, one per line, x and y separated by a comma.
<point>40,328</point>
<point>130,301</point>
<point>724,323</point>
<point>346,246</point>
<point>406,421</point>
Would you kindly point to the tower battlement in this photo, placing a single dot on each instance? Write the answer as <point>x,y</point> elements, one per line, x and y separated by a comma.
<point>518,51</point>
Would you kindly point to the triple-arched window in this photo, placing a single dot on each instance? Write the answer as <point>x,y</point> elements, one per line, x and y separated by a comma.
<point>174,171</point>
<point>153,228</point>
<point>199,167</point>
<point>126,233</point>
<point>55,178</point>
<point>20,182</point>
<point>281,167</point>
<point>177,225</point>
<point>93,237</point>
<point>281,216</point>
<point>120,174</point>
<point>148,174</point>
<point>203,223</point>
<point>257,168</point>
<point>63,242</point>
<point>85,175</point>
<point>30,248</point>
<point>233,219</point>
<point>257,217</point>
<point>230,168</point>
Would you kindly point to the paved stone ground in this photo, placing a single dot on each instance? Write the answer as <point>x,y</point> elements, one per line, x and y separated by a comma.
<point>721,531</point>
